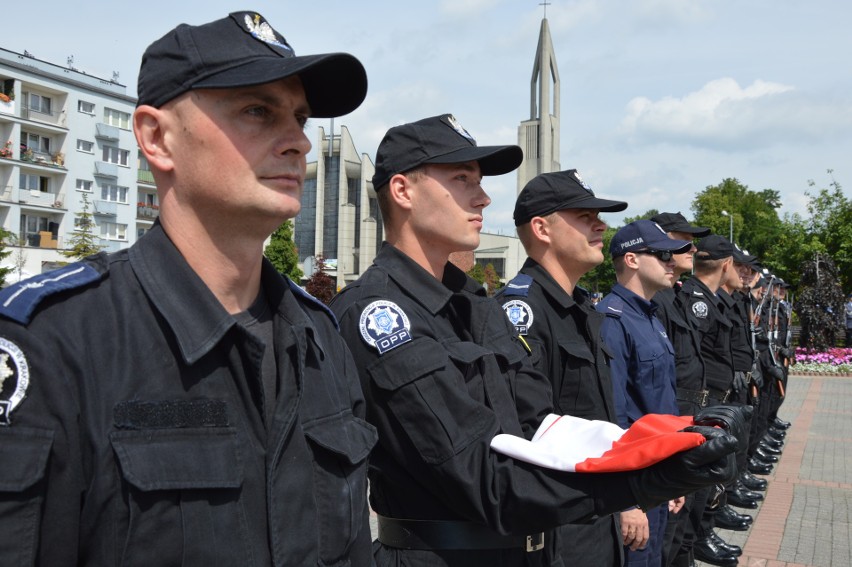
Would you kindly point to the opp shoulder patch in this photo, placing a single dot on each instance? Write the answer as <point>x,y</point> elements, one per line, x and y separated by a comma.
<point>18,301</point>
<point>699,309</point>
<point>14,378</point>
<point>384,325</point>
<point>520,314</point>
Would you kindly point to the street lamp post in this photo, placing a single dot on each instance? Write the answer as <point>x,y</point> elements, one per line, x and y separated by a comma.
<point>731,232</point>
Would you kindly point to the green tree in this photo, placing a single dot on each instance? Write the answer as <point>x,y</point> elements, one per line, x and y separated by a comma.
<point>282,252</point>
<point>756,225</point>
<point>5,241</point>
<point>477,272</point>
<point>82,241</point>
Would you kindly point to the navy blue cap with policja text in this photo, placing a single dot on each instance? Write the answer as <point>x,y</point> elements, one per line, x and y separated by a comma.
<point>644,235</point>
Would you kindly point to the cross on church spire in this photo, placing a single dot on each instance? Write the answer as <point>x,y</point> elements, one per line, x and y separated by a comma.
<point>545,4</point>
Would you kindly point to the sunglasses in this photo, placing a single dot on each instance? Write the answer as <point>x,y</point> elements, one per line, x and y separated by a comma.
<point>663,255</point>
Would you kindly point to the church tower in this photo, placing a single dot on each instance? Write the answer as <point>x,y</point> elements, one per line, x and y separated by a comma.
<point>539,136</point>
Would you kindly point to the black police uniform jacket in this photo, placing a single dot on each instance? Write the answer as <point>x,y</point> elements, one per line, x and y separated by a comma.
<point>686,341</point>
<point>140,440</point>
<point>701,308</point>
<point>451,376</point>
<point>564,333</point>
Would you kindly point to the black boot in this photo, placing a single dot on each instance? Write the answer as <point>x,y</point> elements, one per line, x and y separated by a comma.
<point>738,498</point>
<point>752,482</point>
<point>758,467</point>
<point>706,550</point>
<point>750,494</point>
<point>734,550</point>
<point>777,433</point>
<point>769,449</point>
<point>781,424</point>
<point>770,441</point>
<point>727,518</point>
<point>761,455</point>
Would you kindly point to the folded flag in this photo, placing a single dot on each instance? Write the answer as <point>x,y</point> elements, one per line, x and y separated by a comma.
<point>573,444</point>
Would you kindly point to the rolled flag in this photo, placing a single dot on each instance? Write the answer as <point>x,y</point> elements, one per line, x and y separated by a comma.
<point>573,444</point>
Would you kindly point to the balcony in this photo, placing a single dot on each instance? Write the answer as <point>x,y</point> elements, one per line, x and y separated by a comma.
<point>55,118</point>
<point>41,198</point>
<point>146,212</point>
<point>7,107</point>
<point>42,239</point>
<point>106,132</point>
<point>145,176</point>
<point>105,208</point>
<point>106,169</point>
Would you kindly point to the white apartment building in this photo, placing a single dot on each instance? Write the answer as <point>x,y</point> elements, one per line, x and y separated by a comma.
<point>65,135</point>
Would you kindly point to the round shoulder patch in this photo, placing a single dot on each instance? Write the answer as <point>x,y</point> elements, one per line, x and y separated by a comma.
<point>384,325</point>
<point>520,315</point>
<point>14,378</point>
<point>699,309</point>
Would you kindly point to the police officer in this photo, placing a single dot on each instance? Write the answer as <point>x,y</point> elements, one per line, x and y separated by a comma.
<point>444,372</point>
<point>557,218</point>
<point>643,360</point>
<point>179,402</point>
<point>713,261</point>
<point>691,383</point>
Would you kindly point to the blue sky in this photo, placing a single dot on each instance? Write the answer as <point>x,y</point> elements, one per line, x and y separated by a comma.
<point>660,98</point>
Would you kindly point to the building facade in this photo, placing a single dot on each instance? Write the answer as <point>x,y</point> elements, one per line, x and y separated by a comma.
<point>340,219</point>
<point>67,145</point>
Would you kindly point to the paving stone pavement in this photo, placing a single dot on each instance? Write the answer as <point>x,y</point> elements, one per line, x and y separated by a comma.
<point>806,518</point>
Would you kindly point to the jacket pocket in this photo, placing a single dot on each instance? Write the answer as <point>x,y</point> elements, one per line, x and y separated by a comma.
<point>24,453</point>
<point>438,401</point>
<point>579,393</point>
<point>182,489</point>
<point>340,445</point>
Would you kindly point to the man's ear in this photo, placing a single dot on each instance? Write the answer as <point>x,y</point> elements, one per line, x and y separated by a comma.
<point>631,260</point>
<point>149,126</point>
<point>540,228</point>
<point>400,191</point>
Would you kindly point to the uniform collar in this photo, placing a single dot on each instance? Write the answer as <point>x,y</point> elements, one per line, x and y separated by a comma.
<point>693,282</point>
<point>638,303</point>
<point>193,313</point>
<point>420,284</point>
<point>543,278</point>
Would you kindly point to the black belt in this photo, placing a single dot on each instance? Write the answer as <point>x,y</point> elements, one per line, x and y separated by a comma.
<point>439,534</point>
<point>695,396</point>
<point>720,396</point>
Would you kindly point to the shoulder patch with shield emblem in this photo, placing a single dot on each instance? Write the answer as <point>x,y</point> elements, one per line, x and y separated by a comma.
<point>14,378</point>
<point>520,314</point>
<point>699,309</point>
<point>384,325</point>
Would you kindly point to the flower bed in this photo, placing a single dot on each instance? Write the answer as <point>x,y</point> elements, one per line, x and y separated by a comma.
<point>833,361</point>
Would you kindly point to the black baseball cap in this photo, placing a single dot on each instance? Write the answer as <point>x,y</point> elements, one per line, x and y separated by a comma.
<point>742,256</point>
<point>243,50</point>
<point>644,235</point>
<point>676,222</point>
<point>714,247</point>
<point>438,139</point>
<point>550,192</point>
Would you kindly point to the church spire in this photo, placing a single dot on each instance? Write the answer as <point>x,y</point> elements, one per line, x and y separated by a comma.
<point>539,136</point>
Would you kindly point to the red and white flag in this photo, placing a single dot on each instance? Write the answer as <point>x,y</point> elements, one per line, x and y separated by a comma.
<point>573,444</point>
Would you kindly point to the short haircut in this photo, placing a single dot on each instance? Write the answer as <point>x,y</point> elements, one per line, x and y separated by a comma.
<point>703,265</point>
<point>383,195</point>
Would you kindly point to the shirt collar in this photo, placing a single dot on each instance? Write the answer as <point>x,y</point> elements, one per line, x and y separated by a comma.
<point>638,303</point>
<point>543,278</point>
<point>422,286</point>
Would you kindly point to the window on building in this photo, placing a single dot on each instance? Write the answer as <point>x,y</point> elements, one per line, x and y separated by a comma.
<point>85,107</point>
<point>113,231</point>
<point>114,193</point>
<point>31,226</point>
<point>117,118</point>
<point>116,155</point>
<point>39,103</point>
<point>35,142</point>
<point>84,185</point>
<point>35,182</point>
<point>85,146</point>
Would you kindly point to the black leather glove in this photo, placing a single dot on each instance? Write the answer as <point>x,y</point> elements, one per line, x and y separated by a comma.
<point>712,462</point>
<point>739,384</point>
<point>776,373</point>
<point>757,376</point>
<point>735,420</point>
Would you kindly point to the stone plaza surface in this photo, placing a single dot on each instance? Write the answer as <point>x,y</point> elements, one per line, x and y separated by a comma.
<point>806,518</point>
